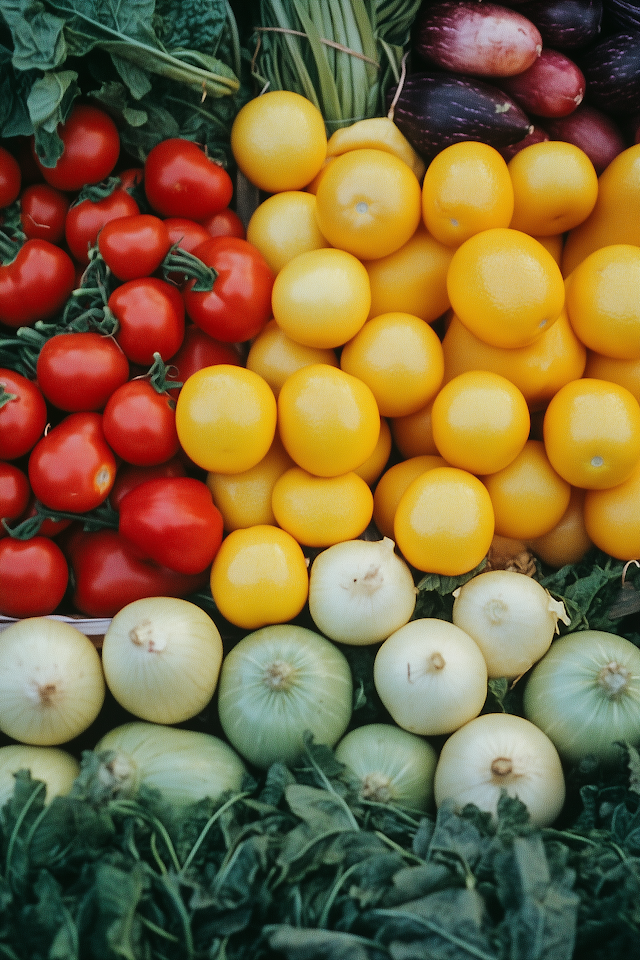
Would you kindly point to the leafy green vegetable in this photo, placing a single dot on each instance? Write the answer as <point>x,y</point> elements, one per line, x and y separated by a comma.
<point>163,69</point>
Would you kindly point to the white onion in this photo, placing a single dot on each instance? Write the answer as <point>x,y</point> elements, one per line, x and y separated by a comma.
<point>431,676</point>
<point>585,694</point>
<point>52,685</point>
<point>184,765</point>
<point>161,658</point>
<point>392,765</point>
<point>512,618</point>
<point>278,683</point>
<point>56,768</point>
<point>496,752</point>
<point>360,591</point>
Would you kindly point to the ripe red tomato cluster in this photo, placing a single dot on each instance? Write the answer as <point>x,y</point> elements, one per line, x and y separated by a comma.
<point>99,505</point>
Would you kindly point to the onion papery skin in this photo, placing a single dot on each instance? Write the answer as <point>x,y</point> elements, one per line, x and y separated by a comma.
<point>55,768</point>
<point>512,618</point>
<point>279,683</point>
<point>52,684</point>
<point>585,694</point>
<point>431,676</point>
<point>185,766</point>
<point>360,591</point>
<point>496,752</point>
<point>390,764</point>
<point>161,658</point>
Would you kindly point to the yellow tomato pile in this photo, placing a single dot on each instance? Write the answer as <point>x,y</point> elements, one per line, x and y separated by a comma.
<point>454,354</point>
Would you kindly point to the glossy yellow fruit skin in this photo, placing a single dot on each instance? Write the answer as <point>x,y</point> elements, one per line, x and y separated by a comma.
<point>284,225</point>
<point>226,418</point>
<point>377,133</point>
<point>368,203</point>
<point>279,141</point>
<point>466,189</point>
<point>568,541</point>
<point>400,358</point>
<point>321,298</point>
<point>591,432</point>
<point>505,287</point>
<point>328,420</point>
<point>393,483</point>
<point>444,522</point>
<point>259,577</point>
<point>413,434</point>
<point>612,518</point>
<point>275,356</point>
<point>374,465</point>
<point>321,511</point>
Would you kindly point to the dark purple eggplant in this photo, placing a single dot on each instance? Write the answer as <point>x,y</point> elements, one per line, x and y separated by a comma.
<point>434,110</point>
<point>476,38</point>
<point>565,24</point>
<point>624,14</point>
<point>612,72</point>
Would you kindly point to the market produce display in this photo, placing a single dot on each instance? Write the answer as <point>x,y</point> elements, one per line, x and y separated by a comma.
<point>319,472</point>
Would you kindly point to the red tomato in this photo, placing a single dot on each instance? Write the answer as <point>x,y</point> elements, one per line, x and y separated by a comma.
<point>43,212</point>
<point>23,414</point>
<point>239,303</point>
<point>36,284</point>
<point>135,246</point>
<point>130,476</point>
<point>48,527</point>
<point>80,371</point>
<point>174,522</point>
<point>188,234</point>
<point>150,314</point>
<point>10,178</point>
<point>14,493</point>
<point>91,147</point>
<point>34,576</point>
<point>72,468</point>
<point>227,223</point>
<point>180,180</point>
<point>108,573</point>
<point>131,177</point>
<point>86,219</point>
<point>199,350</point>
<point>140,424</point>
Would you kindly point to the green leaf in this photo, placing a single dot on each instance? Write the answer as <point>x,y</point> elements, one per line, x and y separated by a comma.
<point>37,34</point>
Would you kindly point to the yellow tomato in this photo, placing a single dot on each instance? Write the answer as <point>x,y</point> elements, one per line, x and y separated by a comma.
<point>399,357</point>
<point>321,298</point>
<point>378,133</point>
<point>480,421</point>
<point>393,483</point>
<point>244,499</point>
<point>505,287</point>
<point>591,432</point>
<point>413,434</point>
<point>413,279</point>
<point>624,372</point>
<point>368,203</point>
<point>466,189</point>
<point>284,225</point>
<point>226,418</point>
<point>568,541</point>
<point>259,576</point>
<point>444,522</point>
<point>612,518</point>
<point>275,356</point>
<point>555,187</point>
<point>371,469</point>
<point>321,511</point>
<point>328,420</point>
<point>279,141</point>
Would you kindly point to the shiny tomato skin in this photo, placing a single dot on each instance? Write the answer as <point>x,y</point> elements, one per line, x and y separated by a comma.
<point>174,521</point>
<point>150,314</point>
<point>140,424</point>
<point>187,234</point>
<point>227,223</point>
<point>86,219</point>
<point>134,246</point>
<point>199,350</point>
<point>91,147</point>
<point>36,284</point>
<point>43,212</point>
<point>10,178</point>
<point>129,476</point>
<point>72,468</point>
<point>14,493</point>
<point>48,527</point>
<point>79,371</point>
<point>23,414</point>
<point>34,576</point>
<point>239,303</point>
<point>108,573</point>
<point>180,180</point>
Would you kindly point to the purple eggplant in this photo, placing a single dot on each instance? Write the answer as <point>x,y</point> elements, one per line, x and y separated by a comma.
<point>565,24</point>
<point>612,72</point>
<point>434,110</point>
